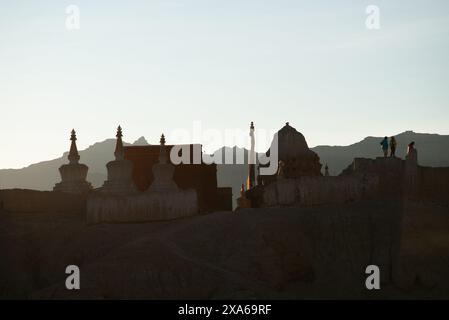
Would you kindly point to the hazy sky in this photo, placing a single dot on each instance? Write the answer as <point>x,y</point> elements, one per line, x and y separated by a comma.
<point>155,66</point>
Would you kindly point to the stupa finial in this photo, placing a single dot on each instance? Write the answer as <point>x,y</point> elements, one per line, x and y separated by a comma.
<point>73,135</point>
<point>119,152</point>
<point>162,151</point>
<point>119,132</point>
<point>74,156</point>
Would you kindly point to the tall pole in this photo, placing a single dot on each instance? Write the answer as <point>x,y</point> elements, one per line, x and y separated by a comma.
<point>251,182</point>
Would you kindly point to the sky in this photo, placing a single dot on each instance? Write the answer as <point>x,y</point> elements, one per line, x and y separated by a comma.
<point>162,66</point>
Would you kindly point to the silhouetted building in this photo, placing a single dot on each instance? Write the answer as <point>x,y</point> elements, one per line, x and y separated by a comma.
<point>201,177</point>
<point>294,160</point>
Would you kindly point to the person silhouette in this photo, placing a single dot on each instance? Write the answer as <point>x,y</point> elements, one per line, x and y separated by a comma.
<point>384,144</point>
<point>412,154</point>
<point>393,147</point>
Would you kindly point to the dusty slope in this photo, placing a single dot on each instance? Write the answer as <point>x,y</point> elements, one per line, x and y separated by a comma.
<point>273,253</point>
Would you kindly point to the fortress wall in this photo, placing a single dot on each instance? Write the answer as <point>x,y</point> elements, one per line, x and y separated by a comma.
<point>390,172</point>
<point>431,183</point>
<point>312,191</point>
<point>30,201</point>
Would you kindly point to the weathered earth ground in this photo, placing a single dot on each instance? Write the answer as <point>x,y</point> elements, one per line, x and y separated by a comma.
<point>276,253</point>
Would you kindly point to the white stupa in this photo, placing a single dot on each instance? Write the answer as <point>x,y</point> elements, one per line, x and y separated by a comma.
<point>73,174</point>
<point>120,180</point>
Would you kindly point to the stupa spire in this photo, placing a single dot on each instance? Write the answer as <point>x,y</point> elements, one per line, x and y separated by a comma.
<point>162,150</point>
<point>74,156</point>
<point>119,152</point>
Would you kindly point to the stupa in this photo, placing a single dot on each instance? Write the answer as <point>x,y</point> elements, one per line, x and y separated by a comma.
<point>294,154</point>
<point>164,200</point>
<point>120,180</point>
<point>73,174</point>
<point>163,172</point>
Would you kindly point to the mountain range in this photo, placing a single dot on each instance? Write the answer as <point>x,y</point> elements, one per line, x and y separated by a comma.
<point>44,175</point>
<point>433,150</point>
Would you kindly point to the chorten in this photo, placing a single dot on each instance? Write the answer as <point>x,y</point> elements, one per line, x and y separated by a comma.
<point>163,172</point>
<point>120,180</point>
<point>162,201</point>
<point>292,149</point>
<point>73,174</point>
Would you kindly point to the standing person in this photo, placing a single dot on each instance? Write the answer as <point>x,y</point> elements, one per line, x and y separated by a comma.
<point>411,166</point>
<point>412,154</point>
<point>384,145</point>
<point>393,147</point>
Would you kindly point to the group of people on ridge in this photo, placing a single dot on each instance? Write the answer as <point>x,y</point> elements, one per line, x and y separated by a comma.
<point>384,143</point>
<point>392,144</point>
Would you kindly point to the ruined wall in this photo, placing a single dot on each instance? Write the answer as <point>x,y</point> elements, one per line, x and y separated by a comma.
<point>29,201</point>
<point>363,179</point>
<point>396,178</point>
<point>389,171</point>
<point>142,207</point>
<point>310,191</point>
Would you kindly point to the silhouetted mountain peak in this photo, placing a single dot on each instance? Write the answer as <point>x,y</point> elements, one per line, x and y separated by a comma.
<point>141,142</point>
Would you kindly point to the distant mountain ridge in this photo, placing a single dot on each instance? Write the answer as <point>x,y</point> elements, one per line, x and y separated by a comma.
<point>433,150</point>
<point>44,175</point>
